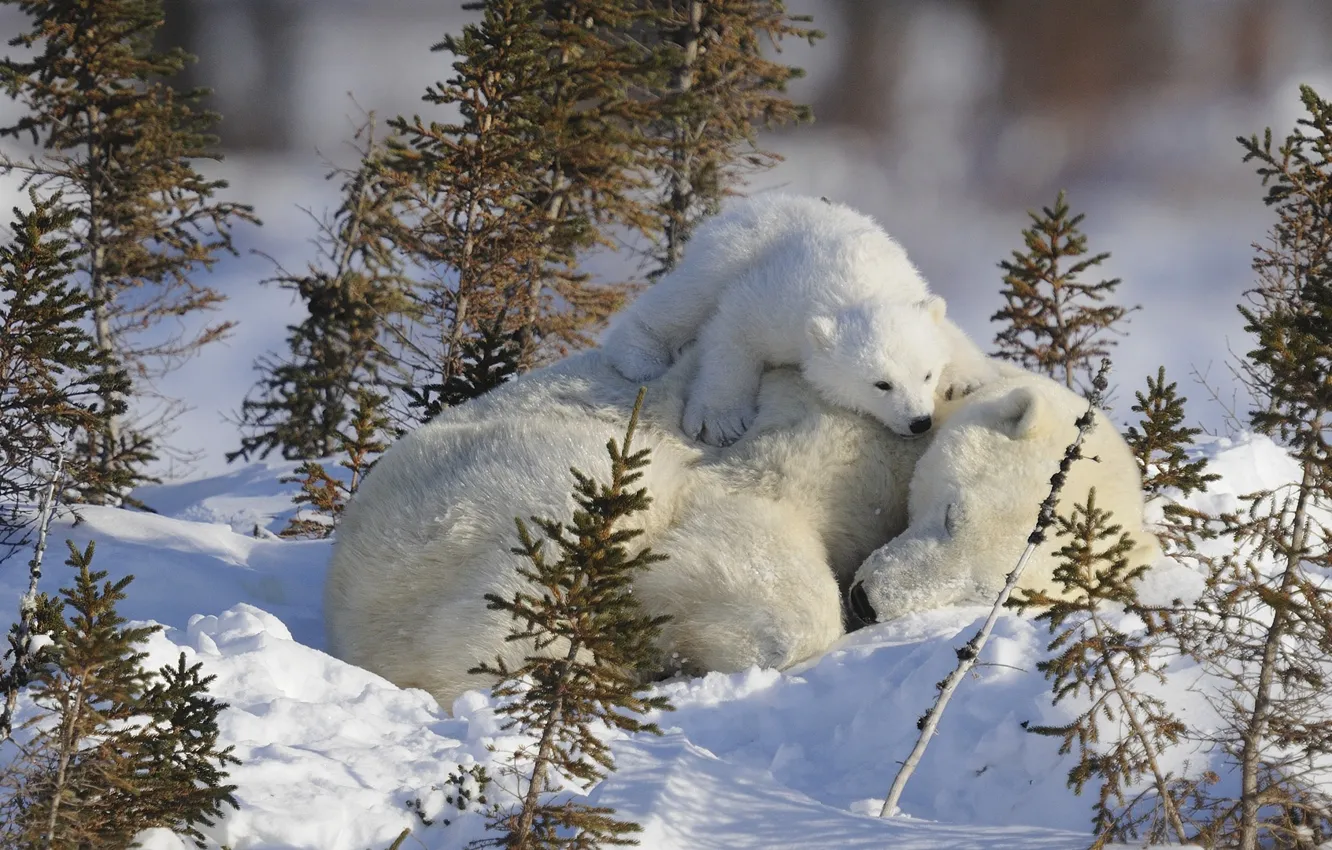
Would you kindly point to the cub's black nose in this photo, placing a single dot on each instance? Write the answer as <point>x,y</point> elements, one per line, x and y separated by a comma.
<point>860,604</point>
<point>921,425</point>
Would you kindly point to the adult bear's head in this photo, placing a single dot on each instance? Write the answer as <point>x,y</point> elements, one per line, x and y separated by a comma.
<point>976,492</point>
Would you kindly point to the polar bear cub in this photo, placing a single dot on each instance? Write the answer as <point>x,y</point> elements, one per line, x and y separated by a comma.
<point>781,280</point>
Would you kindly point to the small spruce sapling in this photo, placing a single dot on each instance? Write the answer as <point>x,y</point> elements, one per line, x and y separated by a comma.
<point>113,749</point>
<point>327,496</point>
<point>1054,322</point>
<point>465,790</point>
<point>184,770</point>
<point>1161,443</point>
<point>1106,663</point>
<point>353,297</point>
<point>590,642</point>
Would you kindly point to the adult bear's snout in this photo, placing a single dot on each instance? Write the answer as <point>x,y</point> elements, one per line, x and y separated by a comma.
<point>860,604</point>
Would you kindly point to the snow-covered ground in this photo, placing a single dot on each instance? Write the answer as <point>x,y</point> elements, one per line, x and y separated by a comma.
<point>331,754</point>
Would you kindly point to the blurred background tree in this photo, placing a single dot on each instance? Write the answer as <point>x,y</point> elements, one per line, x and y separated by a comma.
<point>1074,63</point>
<point>945,119</point>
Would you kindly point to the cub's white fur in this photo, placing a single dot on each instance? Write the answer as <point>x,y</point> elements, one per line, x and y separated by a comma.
<point>788,280</point>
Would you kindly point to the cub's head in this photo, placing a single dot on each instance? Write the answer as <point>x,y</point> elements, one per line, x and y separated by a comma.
<point>883,359</point>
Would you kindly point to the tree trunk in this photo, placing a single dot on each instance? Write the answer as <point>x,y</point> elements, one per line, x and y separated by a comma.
<point>545,754</point>
<point>68,740</point>
<point>101,446</point>
<point>682,179</point>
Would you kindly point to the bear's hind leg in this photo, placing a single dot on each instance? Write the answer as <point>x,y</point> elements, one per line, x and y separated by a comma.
<point>746,582</point>
<point>645,339</point>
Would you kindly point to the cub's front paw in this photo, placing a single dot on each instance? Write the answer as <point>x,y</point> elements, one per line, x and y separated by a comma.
<point>963,379</point>
<point>717,425</point>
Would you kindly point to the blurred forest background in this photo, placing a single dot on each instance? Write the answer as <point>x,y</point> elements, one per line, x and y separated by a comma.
<point>946,119</point>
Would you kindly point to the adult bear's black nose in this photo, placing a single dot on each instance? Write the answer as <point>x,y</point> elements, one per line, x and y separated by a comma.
<point>860,604</point>
<point>921,424</point>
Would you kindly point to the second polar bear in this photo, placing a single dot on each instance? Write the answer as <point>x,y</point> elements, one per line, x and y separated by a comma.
<point>787,280</point>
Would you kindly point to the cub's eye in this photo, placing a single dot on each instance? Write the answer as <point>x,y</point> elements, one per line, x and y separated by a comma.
<point>928,375</point>
<point>885,386</point>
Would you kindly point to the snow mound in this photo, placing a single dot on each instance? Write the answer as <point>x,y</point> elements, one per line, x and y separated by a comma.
<point>333,755</point>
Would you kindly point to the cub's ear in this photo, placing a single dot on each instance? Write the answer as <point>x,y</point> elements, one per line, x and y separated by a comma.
<point>822,331</point>
<point>1023,414</point>
<point>935,306</point>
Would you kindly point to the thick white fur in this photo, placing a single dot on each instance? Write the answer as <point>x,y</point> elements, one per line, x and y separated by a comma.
<point>976,491</point>
<point>759,534</point>
<point>789,280</point>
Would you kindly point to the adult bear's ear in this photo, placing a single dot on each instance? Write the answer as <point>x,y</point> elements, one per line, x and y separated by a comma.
<point>822,331</point>
<point>1023,414</point>
<point>935,306</point>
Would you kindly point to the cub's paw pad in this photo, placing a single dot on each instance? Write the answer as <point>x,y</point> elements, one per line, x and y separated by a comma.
<point>961,389</point>
<point>716,426</point>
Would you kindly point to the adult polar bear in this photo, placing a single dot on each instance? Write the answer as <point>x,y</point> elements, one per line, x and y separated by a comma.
<point>751,530</point>
<point>759,534</point>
